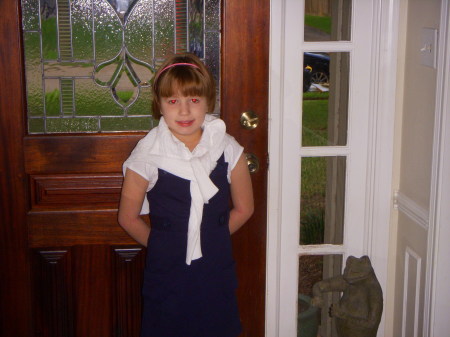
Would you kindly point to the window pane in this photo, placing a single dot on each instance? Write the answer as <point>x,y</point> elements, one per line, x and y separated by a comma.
<point>322,200</point>
<point>325,99</point>
<point>35,102</point>
<point>312,321</point>
<point>30,15</point>
<point>89,63</point>
<point>328,20</point>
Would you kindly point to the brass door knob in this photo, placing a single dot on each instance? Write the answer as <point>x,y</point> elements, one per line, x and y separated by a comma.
<point>249,120</point>
<point>252,162</point>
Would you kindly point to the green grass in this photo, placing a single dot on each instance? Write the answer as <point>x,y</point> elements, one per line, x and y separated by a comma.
<point>312,204</point>
<point>52,103</point>
<point>124,96</point>
<point>313,175</point>
<point>312,227</point>
<point>322,23</point>
<point>310,95</point>
<point>50,39</point>
<point>314,121</point>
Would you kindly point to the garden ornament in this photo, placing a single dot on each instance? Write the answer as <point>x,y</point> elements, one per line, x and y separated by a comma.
<point>359,310</point>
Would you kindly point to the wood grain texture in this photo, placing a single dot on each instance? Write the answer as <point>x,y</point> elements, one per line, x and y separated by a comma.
<point>93,291</point>
<point>245,65</point>
<point>128,267</point>
<point>78,153</point>
<point>48,229</point>
<point>15,291</point>
<point>75,192</point>
<point>53,301</point>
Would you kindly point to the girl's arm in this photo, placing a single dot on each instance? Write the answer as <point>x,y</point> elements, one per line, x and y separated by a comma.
<point>133,194</point>
<point>241,195</point>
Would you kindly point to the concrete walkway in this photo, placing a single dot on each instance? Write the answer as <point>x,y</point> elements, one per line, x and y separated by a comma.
<point>314,34</point>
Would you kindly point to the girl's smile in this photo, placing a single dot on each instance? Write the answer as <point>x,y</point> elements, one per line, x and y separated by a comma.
<point>185,123</point>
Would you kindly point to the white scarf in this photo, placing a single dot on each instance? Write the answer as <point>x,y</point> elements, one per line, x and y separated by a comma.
<point>160,148</point>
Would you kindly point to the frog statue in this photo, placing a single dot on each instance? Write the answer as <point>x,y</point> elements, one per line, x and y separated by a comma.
<point>359,310</point>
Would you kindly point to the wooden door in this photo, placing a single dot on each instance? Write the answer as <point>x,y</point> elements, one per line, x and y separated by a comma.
<point>67,268</point>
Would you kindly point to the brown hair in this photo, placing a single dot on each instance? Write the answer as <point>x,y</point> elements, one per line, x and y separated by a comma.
<point>191,79</point>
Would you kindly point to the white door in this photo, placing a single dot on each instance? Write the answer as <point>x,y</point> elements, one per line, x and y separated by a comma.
<point>422,295</point>
<point>324,165</point>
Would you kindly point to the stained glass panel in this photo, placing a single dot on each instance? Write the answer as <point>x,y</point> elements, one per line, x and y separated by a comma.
<point>30,15</point>
<point>34,74</point>
<point>89,63</point>
<point>82,27</point>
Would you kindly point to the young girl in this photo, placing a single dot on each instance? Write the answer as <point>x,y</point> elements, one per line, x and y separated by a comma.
<point>184,173</point>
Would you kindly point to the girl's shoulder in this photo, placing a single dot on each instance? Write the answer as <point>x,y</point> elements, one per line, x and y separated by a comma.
<point>231,142</point>
<point>148,141</point>
<point>233,151</point>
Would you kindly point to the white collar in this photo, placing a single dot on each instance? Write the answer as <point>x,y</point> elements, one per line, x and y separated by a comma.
<point>213,134</point>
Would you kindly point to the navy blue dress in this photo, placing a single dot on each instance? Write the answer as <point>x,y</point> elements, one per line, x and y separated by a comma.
<point>196,300</point>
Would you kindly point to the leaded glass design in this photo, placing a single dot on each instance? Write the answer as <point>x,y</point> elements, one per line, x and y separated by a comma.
<point>89,64</point>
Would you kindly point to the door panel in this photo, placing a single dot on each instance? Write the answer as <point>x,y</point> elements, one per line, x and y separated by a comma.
<point>75,184</point>
<point>76,297</point>
<point>67,268</point>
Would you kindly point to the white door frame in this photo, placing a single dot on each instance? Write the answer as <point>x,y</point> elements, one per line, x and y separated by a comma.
<point>438,291</point>
<point>378,199</point>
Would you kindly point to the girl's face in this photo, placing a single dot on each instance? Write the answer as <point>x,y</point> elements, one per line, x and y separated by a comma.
<point>184,115</point>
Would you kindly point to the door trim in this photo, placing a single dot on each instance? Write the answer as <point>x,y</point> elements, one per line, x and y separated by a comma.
<point>277,18</point>
<point>377,217</point>
<point>437,293</point>
<point>15,293</point>
<point>379,199</point>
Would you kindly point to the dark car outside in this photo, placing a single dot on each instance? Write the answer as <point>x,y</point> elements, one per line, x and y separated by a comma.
<point>320,68</point>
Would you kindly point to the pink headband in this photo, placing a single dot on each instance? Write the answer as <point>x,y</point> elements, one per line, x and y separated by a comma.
<point>171,66</point>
